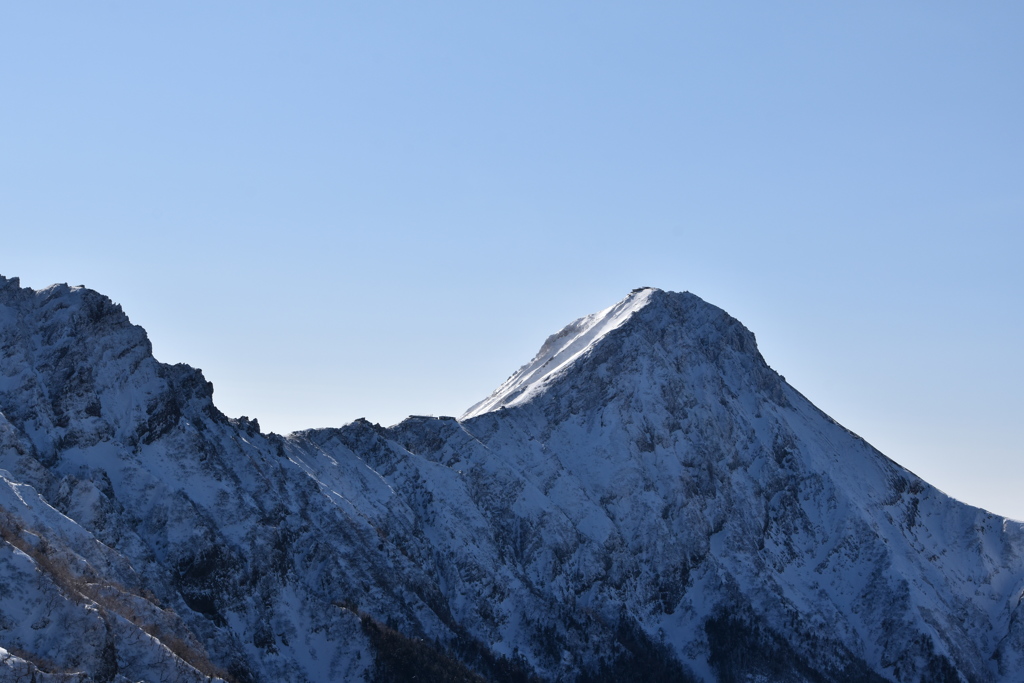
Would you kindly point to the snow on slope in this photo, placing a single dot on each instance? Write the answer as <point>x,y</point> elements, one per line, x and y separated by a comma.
<point>559,352</point>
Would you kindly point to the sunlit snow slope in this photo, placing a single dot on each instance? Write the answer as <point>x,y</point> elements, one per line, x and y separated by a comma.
<point>645,500</point>
<point>559,352</point>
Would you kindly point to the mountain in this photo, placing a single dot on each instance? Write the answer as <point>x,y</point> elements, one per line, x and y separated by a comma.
<point>644,500</point>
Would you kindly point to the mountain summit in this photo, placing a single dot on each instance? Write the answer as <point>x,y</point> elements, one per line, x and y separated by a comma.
<point>650,336</point>
<point>644,500</point>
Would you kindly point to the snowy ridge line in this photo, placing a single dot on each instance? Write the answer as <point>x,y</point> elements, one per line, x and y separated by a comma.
<point>558,353</point>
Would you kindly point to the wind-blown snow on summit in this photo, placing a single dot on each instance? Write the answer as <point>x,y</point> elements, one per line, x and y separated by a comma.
<point>645,500</point>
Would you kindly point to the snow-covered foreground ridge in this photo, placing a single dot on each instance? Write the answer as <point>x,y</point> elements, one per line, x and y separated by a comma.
<point>645,500</point>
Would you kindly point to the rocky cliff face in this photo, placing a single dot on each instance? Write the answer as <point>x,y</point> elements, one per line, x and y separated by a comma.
<point>645,500</point>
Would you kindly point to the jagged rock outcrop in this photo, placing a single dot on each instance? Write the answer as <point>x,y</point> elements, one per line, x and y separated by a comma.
<point>645,500</point>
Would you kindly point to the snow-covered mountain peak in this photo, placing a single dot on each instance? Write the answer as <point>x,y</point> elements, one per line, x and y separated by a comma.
<point>89,371</point>
<point>649,329</point>
<point>656,504</point>
<point>560,350</point>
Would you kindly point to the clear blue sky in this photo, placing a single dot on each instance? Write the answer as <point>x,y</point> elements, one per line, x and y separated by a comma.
<point>375,209</point>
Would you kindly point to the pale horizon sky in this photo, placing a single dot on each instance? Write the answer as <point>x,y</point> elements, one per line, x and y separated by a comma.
<point>382,209</point>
